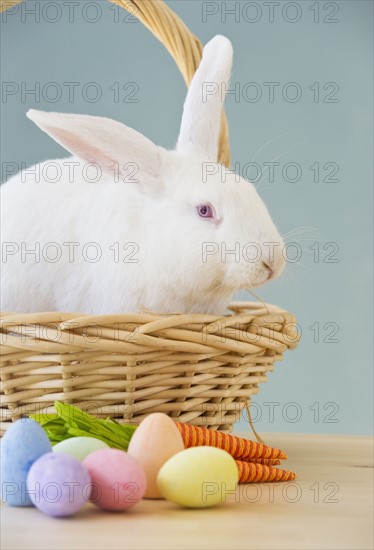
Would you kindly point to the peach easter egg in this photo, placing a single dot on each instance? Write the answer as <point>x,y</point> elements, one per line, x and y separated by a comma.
<point>155,441</point>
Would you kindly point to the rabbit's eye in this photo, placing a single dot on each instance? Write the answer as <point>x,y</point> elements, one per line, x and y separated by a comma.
<point>205,211</point>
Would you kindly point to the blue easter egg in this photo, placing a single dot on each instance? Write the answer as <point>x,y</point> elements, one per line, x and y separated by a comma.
<point>23,443</point>
<point>58,484</point>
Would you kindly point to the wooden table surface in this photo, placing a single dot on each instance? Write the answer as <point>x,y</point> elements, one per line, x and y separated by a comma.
<point>330,505</point>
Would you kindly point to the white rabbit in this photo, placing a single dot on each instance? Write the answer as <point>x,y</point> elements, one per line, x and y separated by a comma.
<point>152,232</point>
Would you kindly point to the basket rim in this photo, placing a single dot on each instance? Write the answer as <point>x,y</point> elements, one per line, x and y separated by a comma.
<point>249,328</point>
<point>235,308</point>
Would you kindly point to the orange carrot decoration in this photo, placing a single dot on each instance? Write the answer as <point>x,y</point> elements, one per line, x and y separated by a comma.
<point>250,472</point>
<point>237,447</point>
<point>266,461</point>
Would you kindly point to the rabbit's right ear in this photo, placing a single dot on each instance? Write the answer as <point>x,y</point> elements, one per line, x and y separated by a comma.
<point>202,111</point>
<point>116,148</point>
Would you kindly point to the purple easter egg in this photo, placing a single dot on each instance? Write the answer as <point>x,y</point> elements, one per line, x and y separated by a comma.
<point>58,484</point>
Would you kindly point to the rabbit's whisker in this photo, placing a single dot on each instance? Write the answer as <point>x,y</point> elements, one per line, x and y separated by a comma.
<point>267,143</point>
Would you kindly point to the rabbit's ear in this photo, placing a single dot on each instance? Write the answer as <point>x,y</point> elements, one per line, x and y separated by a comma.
<point>202,111</point>
<point>116,148</point>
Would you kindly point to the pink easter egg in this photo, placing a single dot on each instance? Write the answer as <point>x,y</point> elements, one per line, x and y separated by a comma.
<point>118,481</point>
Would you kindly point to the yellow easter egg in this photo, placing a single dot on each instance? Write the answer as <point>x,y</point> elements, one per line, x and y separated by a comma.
<point>198,477</point>
<point>156,439</point>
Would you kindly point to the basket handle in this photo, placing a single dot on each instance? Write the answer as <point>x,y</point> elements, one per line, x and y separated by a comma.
<point>6,4</point>
<point>185,48</point>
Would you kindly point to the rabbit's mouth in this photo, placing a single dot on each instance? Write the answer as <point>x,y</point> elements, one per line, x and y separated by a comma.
<point>264,274</point>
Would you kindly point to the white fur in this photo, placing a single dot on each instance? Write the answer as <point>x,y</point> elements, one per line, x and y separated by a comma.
<point>201,120</point>
<point>157,212</point>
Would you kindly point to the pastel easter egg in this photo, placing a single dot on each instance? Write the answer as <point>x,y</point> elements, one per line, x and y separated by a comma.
<point>23,443</point>
<point>198,477</point>
<point>155,441</point>
<point>79,447</point>
<point>58,484</point>
<point>118,481</point>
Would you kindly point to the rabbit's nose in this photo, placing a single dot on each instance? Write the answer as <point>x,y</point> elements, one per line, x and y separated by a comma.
<point>274,267</point>
<point>269,267</point>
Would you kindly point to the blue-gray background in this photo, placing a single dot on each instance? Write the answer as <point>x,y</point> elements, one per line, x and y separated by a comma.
<point>326,384</point>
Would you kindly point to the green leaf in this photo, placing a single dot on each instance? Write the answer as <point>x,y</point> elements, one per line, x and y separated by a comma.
<point>71,421</point>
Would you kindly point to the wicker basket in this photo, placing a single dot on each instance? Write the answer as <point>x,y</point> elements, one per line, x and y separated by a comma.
<point>197,368</point>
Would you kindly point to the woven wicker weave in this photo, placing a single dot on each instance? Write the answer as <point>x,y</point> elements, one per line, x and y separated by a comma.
<point>196,368</point>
